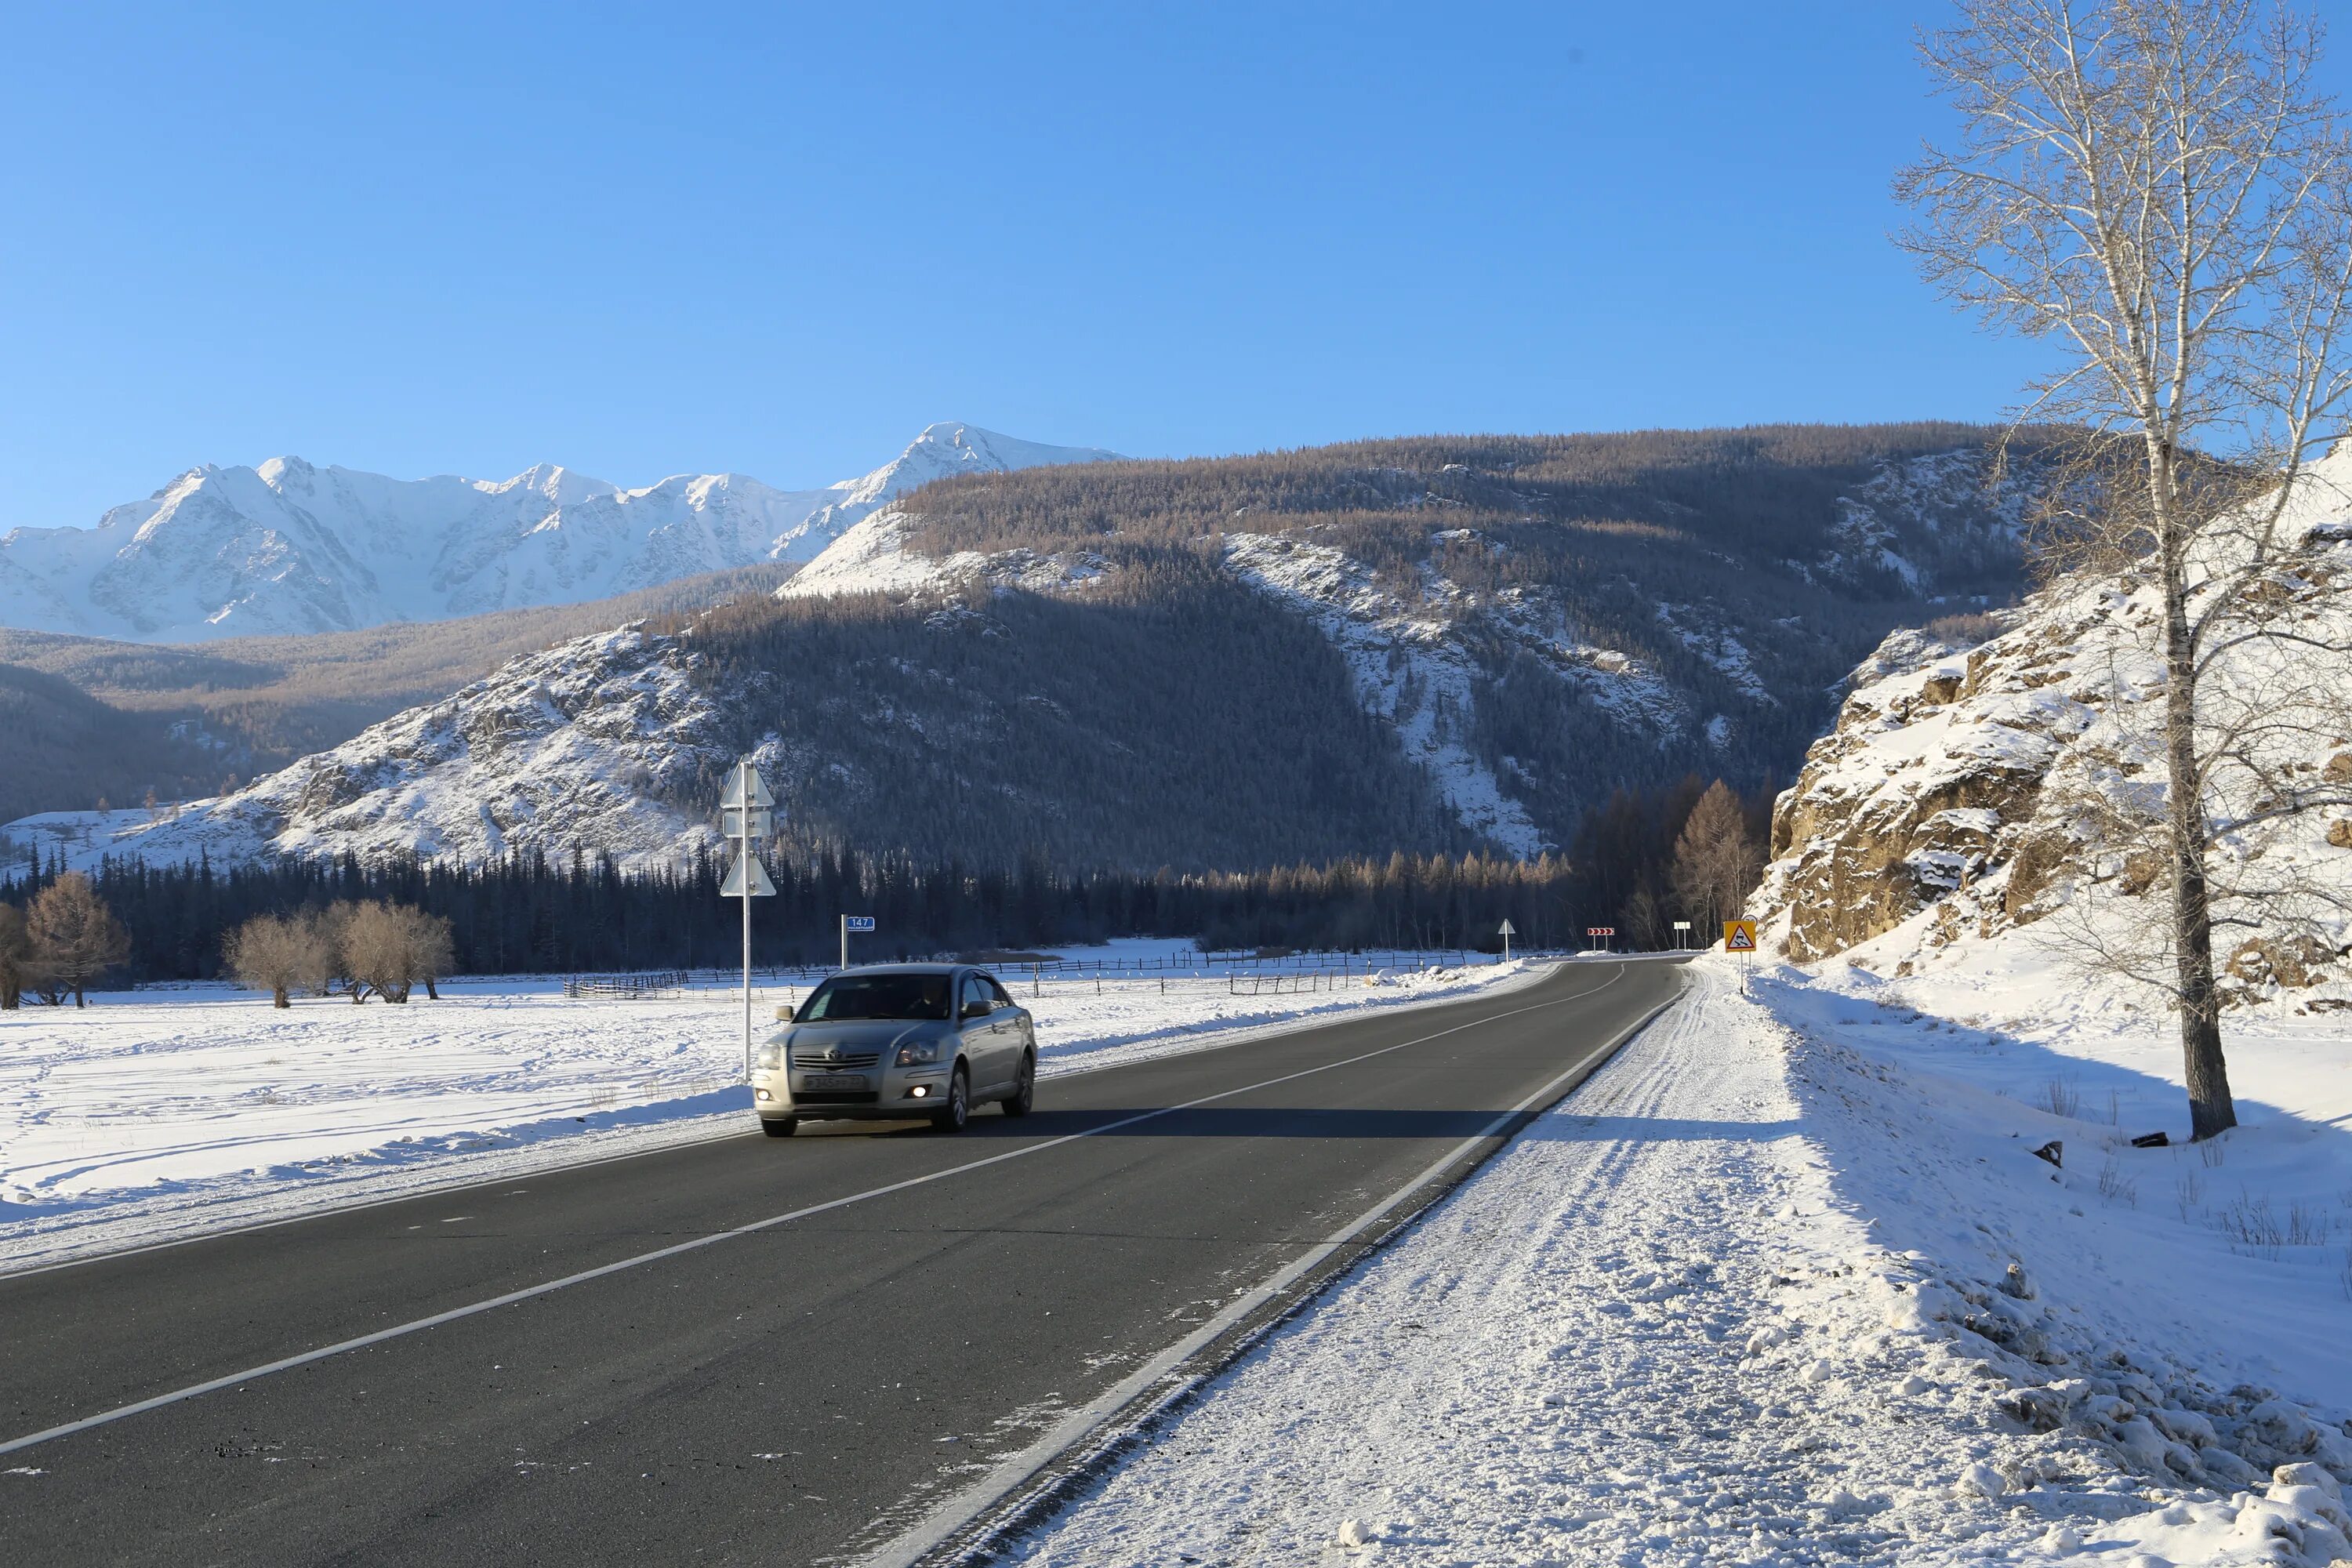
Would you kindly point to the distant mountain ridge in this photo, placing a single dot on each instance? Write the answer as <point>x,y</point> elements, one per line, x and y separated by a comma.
<point>290,547</point>
<point>1424,645</point>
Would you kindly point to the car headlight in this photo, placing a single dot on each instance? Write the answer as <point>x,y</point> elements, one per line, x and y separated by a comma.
<point>919,1053</point>
<point>771,1054</point>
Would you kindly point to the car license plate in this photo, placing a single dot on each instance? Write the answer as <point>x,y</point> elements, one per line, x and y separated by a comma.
<point>834,1080</point>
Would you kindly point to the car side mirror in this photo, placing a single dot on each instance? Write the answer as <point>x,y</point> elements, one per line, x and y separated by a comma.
<point>976,1009</point>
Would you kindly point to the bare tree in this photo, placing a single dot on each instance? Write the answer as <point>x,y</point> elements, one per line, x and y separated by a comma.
<point>280,955</point>
<point>75,937</point>
<point>1647,920</point>
<point>369,941</point>
<point>1717,860</point>
<point>16,957</point>
<point>431,952</point>
<point>2157,189</point>
<point>334,927</point>
<point>391,948</point>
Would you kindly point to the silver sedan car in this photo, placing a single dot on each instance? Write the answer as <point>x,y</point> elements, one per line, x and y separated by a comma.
<point>891,1041</point>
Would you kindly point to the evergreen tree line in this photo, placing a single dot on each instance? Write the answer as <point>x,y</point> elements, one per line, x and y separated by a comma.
<point>525,914</point>
<point>1692,851</point>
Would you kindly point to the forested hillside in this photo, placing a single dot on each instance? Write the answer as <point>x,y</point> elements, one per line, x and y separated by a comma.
<point>61,744</point>
<point>1169,717</point>
<point>1786,495</point>
<point>1534,622</point>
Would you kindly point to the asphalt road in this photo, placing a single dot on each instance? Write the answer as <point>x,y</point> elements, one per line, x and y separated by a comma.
<point>795,1393</point>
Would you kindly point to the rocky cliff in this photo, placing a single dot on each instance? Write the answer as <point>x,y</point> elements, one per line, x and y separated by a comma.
<point>1992,773</point>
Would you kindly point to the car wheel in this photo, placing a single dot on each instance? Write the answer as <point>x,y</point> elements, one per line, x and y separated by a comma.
<point>1025,1096</point>
<point>778,1126</point>
<point>950,1116</point>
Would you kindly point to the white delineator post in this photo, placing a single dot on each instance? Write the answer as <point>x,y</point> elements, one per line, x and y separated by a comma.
<point>742,770</point>
<point>743,816</point>
<point>844,941</point>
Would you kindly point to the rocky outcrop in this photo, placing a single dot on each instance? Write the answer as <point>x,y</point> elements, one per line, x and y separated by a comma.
<point>1978,781</point>
<point>1909,798</point>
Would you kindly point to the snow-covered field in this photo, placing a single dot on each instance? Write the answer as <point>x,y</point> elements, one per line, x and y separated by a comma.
<point>158,1112</point>
<point>1785,1283</point>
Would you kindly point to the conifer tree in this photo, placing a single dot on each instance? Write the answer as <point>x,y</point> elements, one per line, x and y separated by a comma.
<point>75,937</point>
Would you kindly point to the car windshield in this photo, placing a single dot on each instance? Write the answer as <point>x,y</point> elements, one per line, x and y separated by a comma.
<point>876,996</point>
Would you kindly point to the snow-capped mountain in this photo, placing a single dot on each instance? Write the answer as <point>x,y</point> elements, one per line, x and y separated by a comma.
<point>291,547</point>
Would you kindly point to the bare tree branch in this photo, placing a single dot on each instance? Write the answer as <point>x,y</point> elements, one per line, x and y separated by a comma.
<point>2157,188</point>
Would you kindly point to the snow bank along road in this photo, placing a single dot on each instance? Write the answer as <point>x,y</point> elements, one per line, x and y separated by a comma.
<point>741,1348</point>
<point>1768,1291</point>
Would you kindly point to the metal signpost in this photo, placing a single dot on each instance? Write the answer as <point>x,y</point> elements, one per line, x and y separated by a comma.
<point>745,814</point>
<point>1682,935</point>
<point>1506,933</point>
<point>1604,933</point>
<point>850,923</point>
<point>1739,937</point>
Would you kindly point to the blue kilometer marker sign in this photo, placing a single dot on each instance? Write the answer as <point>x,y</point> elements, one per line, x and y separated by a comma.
<point>850,923</point>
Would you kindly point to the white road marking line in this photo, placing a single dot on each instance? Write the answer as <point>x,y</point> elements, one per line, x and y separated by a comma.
<point>454,1314</point>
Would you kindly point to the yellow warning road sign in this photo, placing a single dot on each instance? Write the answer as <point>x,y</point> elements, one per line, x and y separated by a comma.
<point>1740,936</point>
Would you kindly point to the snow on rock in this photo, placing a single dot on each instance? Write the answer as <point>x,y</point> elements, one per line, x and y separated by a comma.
<point>1968,792</point>
<point>874,558</point>
<point>1409,671</point>
<point>557,750</point>
<point>1940,507</point>
<point>1719,647</point>
<point>291,547</point>
<point>1759,1292</point>
<point>870,557</point>
<point>1415,668</point>
<point>2171,1318</point>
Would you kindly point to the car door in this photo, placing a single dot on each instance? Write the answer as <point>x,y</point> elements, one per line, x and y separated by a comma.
<point>1020,1033</point>
<point>979,1024</point>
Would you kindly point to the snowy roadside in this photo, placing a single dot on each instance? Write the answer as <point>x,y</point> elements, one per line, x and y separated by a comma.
<point>1760,1293</point>
<point>160,1114</point>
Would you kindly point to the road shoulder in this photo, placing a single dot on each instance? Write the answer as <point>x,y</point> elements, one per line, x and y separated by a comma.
<point>1664,1324</point>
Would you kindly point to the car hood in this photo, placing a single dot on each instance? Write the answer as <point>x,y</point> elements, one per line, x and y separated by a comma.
<point>860,1034</point>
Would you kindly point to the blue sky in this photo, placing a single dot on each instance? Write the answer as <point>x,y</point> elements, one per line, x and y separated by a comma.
<point>641,240</point>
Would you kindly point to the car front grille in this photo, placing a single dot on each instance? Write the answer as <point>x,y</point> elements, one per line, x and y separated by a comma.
<point>847,1061</point>
<point>799,1099</point>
